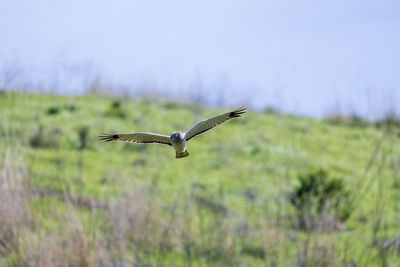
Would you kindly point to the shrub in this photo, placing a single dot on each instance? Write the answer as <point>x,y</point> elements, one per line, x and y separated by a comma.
<point>53,110</point>
<point>41,140</point>
<point>320,202</point>
<point>116,104</point>
<point>115,110</point>
<point>83,133</point>
<point>57,108</point>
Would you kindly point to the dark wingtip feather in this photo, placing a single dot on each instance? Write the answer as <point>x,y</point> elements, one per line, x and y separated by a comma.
<point>238,112</point>
<point>108,137</point>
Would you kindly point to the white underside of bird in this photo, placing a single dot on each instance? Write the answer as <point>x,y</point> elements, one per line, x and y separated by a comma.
<point>177,139</point>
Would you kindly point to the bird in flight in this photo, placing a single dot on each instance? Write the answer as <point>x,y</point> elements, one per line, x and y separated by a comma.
<point>177,139</point>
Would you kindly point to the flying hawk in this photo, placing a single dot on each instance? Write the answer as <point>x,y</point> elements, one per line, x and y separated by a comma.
<point>177,139</point>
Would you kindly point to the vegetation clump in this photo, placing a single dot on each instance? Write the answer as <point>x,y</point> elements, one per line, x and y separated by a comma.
<point>354,121</point>
<point>57,108</point>
<point>53,110</point>
<point>320,202</point>
<point>115,110</point>
<point>83,133</point>
<point>70,107</point>
<point>391,120</point>
<point>41,139</point>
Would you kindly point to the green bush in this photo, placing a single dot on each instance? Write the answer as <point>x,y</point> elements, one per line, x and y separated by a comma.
<point>320,201</point>
<point>57,108</point>
<point>53,110</point>
<point>115,110</point>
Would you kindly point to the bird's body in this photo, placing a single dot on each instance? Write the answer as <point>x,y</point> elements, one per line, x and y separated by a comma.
<point>177,139</point>
<point>179,144</point>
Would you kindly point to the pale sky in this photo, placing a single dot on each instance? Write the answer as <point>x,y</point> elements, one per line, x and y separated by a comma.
<point>303,57</point>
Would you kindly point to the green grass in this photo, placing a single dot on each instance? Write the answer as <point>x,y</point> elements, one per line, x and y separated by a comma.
<point>262,153</point>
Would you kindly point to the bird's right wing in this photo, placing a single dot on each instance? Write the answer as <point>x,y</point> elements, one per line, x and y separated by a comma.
<point>144,138</point>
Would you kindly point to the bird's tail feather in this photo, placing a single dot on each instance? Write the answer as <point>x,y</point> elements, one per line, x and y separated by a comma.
<point>182,154</point>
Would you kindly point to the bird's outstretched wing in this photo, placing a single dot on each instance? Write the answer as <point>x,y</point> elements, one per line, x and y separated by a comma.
<point>144,138</point>
<point>210,123</point>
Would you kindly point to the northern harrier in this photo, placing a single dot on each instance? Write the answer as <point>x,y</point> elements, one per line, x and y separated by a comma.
<point>177,139</point>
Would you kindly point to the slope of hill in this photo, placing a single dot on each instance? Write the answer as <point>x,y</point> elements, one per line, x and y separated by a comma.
<point>67,197</point>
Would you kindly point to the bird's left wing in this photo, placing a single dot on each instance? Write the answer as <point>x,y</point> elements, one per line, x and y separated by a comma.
<point>210,123</point>
<point>144,138</point>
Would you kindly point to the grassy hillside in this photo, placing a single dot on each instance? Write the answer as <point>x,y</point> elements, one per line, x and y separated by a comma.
<point>67,197</point>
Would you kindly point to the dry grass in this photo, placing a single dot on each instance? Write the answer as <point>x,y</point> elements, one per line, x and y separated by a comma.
<point>317,253</point>
<point>68,246</point>
<point>140,225</point>
<point>21,238</point>
<point>14,202</point>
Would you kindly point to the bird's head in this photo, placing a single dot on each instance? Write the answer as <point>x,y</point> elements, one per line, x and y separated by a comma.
<point>177,136</point>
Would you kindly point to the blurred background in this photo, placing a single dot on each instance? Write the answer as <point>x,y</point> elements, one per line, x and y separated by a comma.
<point>309,176</point>
<point>309,58</point>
